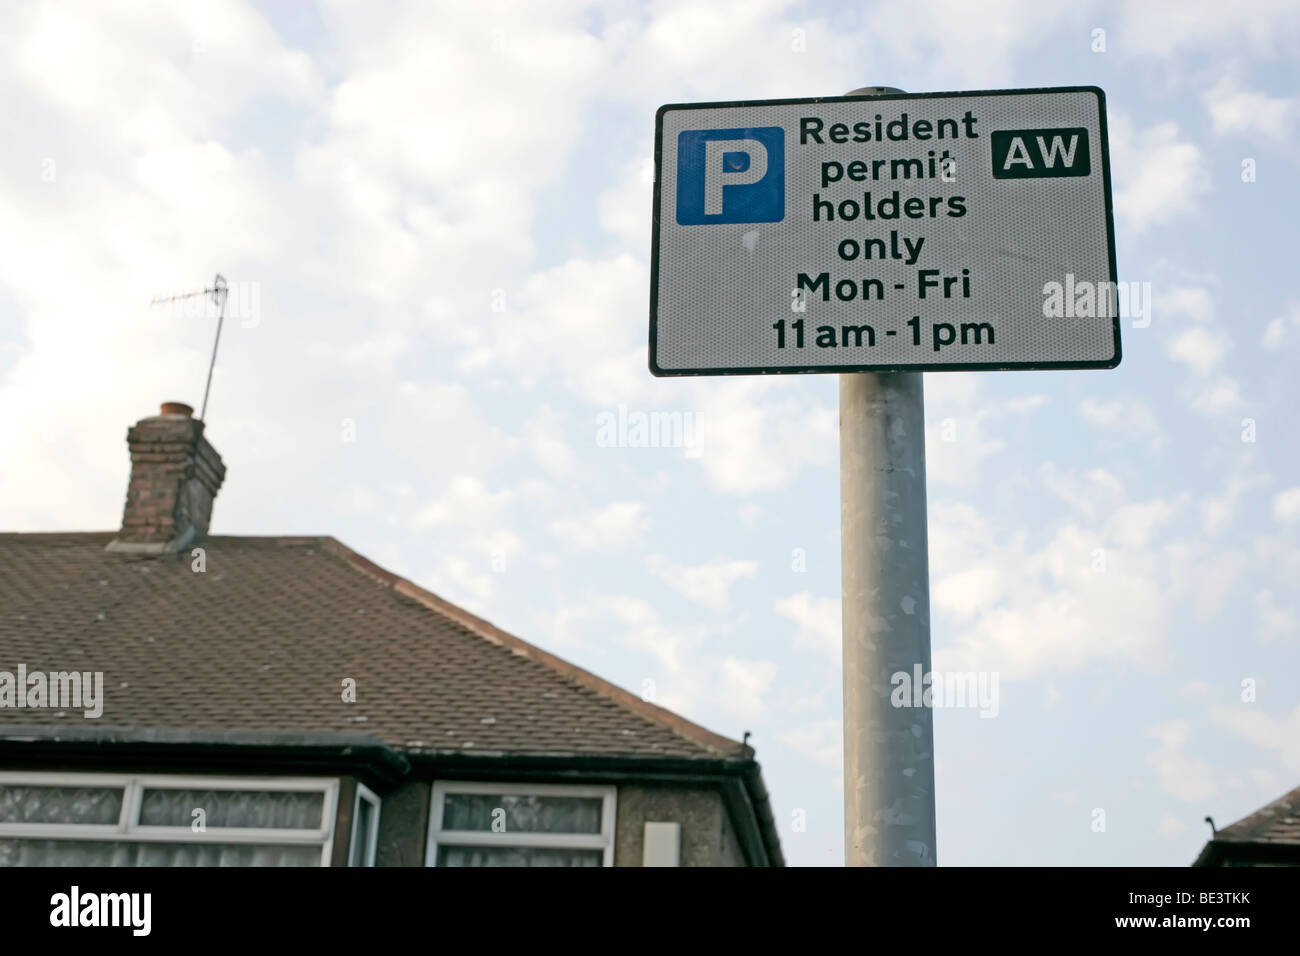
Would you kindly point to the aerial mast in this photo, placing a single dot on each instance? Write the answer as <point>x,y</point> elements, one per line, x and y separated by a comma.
<point>219,292</point>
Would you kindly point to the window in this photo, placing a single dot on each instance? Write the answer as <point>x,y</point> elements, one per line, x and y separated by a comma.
<point>120,820</point>
<point>492,824</point>
<point>365,827</point>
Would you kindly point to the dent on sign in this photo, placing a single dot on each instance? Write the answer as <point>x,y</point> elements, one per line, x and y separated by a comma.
<point>900,232</point>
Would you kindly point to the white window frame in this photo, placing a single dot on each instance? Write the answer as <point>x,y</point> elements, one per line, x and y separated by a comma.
<point>603,841</point>
<point>372,838</point>
<point>129,829</point>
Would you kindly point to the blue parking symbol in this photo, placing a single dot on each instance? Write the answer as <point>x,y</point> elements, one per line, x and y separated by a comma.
<point>730,175</point>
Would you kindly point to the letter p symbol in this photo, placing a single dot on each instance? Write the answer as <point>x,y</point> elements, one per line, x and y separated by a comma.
<point>731,175</point>
<point>730,162</point>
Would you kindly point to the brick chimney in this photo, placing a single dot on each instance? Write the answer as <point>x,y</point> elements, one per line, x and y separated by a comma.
<point>175,475</point>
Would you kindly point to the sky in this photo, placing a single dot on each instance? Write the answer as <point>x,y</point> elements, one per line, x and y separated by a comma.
<point>435,222</point>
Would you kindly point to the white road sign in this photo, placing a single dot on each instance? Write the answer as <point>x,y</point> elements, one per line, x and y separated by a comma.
<point>905,232</point>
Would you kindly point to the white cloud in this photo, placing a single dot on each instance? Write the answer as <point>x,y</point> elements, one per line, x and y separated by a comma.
<point>173,68</point>
<point>1280,554</point>
<point>1286,505</point>
<point>678,45</point>
<point>1219,511</point>
<point>623,206</point>
<point>1203,576</point>
<point>1199,348</point>
<point>818,621</point>
<point>568,325</point>
<point>646,634</point>
<point>689,673</point>
<point>1002,30</point>
<point>757,434</point>
<point>1170,826</point>
<point>613,527</point>
<point>963,593</point>
<point>562,624</point>
<point>1093,588</point>
<point>1170,28</point>
<point>1234,110</point>
<point>1275,621</point>
<point>467,501</point>
<point>956,448</point>
<point>456,575</point>
<point>359,499</point>
<point>708,584</point>
<point>1274,334</point>
<point>1254,725</point>
<point>1092,494</point>
<point>482,156</point>
<point>1183,777</point>
<point>1158,174</point>
<point>1277,329</point>
<point>1131,526</point>
<point>545,436</point>
<point>819,740</point>
<point>965,427</point>
<point>1263,779</point>
<point>743,684</point>
<point>1223,395</point>
<point>1127,418</point>
<point>1191,302</point>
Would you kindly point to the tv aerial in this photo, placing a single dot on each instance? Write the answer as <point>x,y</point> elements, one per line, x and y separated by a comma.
<point>219,293</point>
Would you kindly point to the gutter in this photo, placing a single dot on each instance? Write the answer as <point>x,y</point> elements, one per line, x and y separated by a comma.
<point>364,755</point>
<point>1248,852</point>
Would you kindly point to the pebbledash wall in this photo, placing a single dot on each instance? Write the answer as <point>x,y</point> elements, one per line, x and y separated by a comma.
<point>708,837</point>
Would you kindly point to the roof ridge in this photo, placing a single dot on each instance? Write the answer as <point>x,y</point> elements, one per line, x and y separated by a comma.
<point>1255,824</point>
<point>693,732</point>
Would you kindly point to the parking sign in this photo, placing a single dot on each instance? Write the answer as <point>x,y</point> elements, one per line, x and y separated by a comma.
<point>903,232</point>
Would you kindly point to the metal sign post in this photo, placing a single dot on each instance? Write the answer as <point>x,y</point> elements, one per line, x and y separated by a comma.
<point>888,750</point>
<point>881,235</point>
<point>889,814</point>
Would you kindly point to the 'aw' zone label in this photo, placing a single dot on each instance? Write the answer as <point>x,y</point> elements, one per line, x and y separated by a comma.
<point>921,232</point>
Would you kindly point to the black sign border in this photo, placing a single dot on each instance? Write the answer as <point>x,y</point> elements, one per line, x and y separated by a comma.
<point>659,372</point>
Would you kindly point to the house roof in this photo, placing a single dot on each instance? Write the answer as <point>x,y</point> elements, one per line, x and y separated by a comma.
<point>263,639</point>
<point>1278,822</point>
<point>1271,832</point>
